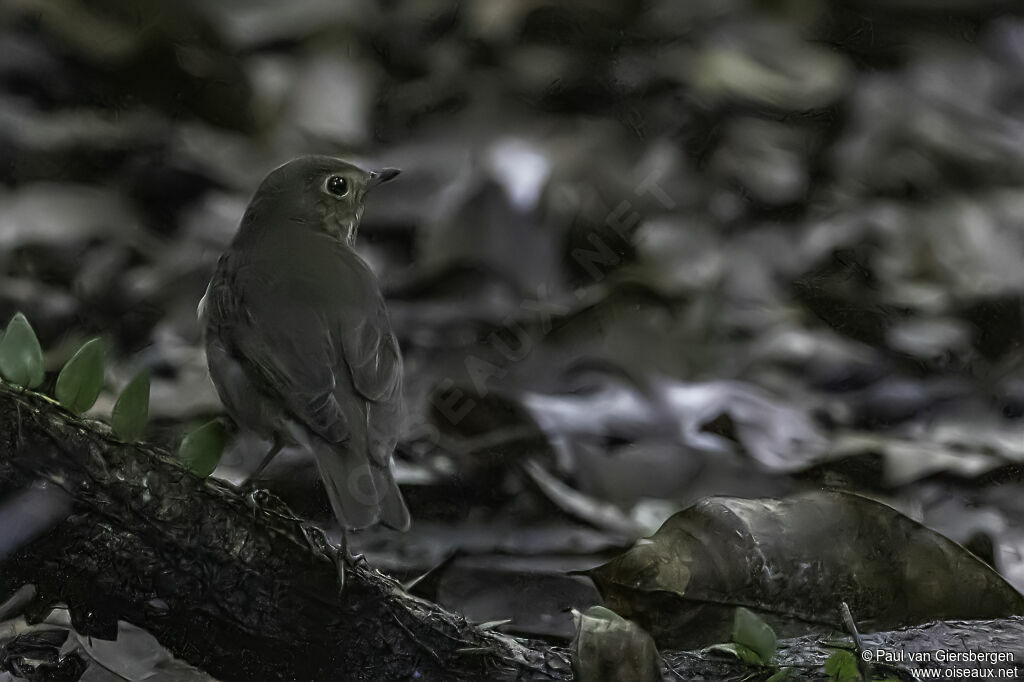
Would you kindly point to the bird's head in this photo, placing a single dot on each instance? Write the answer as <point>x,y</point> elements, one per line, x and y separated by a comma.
<point>321,193</point>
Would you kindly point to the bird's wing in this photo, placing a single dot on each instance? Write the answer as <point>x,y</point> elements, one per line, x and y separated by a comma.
<point>320,339</point>
<point>282,338</point>
<point>375,365</point>
<point>371,353</point>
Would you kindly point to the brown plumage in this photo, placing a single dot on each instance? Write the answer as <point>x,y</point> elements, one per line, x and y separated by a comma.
<point>298,339</point>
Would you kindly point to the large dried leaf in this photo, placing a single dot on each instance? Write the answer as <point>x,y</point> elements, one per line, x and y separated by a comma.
<point>794,561</point>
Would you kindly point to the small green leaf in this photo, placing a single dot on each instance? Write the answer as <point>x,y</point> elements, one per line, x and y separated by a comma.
<point>200,450</point>
<point>736,650</point>
<point>131,411</point>
<point>749,630</point>
<point>79,383</point>
<point>842,667</point>
<point>21,358</point>
<point>781,675</point>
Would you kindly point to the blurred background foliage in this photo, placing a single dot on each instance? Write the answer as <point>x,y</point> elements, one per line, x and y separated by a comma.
<point>640,252</point>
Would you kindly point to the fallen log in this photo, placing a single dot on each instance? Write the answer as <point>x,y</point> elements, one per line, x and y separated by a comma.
<point>231,583</point>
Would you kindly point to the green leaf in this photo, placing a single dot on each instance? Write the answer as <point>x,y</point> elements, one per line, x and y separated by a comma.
<point>200,450</point>
<point>21,358</point>
<point>781,675</point>
<point>609,647</point>
<point>749,630</point>
<point>736,650</point>
<point>842,667</point>
<point>131,411</point>
<point>79,383</point>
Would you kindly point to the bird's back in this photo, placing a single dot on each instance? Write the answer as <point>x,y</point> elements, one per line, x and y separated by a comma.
<point>303,317</point>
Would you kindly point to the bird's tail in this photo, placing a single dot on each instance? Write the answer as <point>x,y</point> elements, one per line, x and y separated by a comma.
<point>393,512</point>
<point>360,493</point>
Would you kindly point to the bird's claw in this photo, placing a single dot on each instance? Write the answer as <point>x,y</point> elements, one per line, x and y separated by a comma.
<point>345,558</point>
<point>340,561</point>
<point>351,558</point>
<point>339,554</point>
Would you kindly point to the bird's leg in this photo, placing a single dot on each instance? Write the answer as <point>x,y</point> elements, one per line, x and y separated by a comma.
<point>344,558</point>
<point>346,554</point>
<point>271,454</point>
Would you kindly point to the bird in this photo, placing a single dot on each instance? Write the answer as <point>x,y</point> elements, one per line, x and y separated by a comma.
<point>298,340</point>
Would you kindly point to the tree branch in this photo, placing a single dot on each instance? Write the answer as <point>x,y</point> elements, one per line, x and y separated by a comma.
<point>233,585</point>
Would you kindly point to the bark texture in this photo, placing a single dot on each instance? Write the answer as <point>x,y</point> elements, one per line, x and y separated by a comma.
<point>233,584</point>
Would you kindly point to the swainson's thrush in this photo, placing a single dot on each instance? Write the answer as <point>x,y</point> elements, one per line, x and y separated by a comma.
<point>298,340</point>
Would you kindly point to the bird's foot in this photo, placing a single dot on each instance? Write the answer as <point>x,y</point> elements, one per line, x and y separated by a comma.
<point>340,555</point>
<point>247,489</point>
<point>350,557</point>
<point>345,558</point>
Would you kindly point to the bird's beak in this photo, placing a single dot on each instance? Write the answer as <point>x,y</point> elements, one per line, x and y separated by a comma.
<point>381,176</point>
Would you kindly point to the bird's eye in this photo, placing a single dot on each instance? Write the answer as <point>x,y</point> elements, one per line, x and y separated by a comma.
<point>337,185</point>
